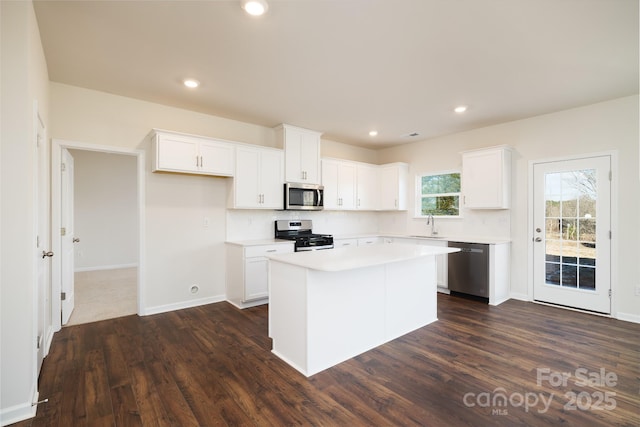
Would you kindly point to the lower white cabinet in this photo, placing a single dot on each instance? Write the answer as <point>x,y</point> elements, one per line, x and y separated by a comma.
<point>368,241</point>
<point>441,262</point>
<point>248,272</point>
<point>343,243</point>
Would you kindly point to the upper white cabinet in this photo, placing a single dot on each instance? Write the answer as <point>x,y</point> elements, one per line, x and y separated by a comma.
<point>174,152</point>
<point>367,187</point>
<point>302,153</point>
<point>339,181</point>
<point>259,178</point>
<point>486,178</point>
<point>393,186</point>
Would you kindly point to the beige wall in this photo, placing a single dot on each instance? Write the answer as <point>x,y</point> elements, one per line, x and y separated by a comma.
<point>607,126</point>
<point>105,210</point>
<point>24,82</point>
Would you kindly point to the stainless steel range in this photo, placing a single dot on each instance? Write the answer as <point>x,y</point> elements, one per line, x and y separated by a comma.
<point>300,231</point>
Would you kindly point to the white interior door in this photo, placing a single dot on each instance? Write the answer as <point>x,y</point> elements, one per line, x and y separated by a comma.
<point>572,226</point>
<point>42,245</point>
<point>67,235</point>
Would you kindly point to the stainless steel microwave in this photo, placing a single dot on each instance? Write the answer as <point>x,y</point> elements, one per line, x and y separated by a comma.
<point>303,197</point>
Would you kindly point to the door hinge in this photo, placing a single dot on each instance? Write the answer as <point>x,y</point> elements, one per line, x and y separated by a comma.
<point>610,175</point>
<point>63,167</point>
<point>63,231</point>
<point>38,339</point>
<point>610,235</point>
<point>609,293</point>
<point>37,241</point>
<point>63,296</point>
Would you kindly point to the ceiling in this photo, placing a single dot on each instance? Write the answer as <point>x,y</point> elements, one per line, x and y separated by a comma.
<point>345,67</point>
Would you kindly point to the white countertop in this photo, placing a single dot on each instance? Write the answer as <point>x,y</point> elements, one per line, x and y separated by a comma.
<point>260,242</point>
<point>350,258</point>
<point>488,240</point>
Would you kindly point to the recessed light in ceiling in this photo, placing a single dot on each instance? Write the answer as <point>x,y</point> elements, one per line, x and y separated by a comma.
<point>191,83</point>
<point>255,7</point>
<point>373,133</point>
<point>460,109</point>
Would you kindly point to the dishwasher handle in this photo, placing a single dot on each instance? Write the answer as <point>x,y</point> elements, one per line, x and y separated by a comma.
<point>472,250</point>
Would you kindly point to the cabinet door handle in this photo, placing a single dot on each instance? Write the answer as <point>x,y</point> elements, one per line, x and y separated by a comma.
<point>201,161</point>
<point>271,250</point>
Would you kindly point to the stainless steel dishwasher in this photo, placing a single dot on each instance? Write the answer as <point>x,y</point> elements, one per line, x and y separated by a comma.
<point>469,269</point>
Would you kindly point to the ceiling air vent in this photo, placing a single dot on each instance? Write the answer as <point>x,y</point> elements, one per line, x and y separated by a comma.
<point>411,135</point>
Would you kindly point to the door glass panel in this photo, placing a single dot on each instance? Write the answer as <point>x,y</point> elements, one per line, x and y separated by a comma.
<point>570,229</point>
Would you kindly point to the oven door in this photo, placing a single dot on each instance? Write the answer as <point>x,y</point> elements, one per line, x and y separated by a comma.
<point>303,197</point>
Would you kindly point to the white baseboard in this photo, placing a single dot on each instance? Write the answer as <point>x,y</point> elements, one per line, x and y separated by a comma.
<point>519,297</point>
<point>181,305</point>
<point>628,317</point>
<point>105,267</point>
<point>20,412</point>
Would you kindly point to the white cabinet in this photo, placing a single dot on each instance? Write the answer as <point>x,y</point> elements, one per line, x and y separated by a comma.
<point>441,262</point>
<point>248,272</point>
<point>367,187</point>
<point>344,243</point>
<point>259,178</point>
<point>393,186</point>
<point>174,152</point>
<point>486,178</point>
<point>302,153</point>
<point>339,181</point>
<point>368,241</point>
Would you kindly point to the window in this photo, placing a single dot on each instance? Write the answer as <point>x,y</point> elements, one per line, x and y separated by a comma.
<point>438,194</point>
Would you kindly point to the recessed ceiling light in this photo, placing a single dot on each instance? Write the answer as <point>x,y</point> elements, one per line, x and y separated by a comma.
<point>373,133</point>
<point>191,83</point>
<point>255,7</point>
<point>460,109</point>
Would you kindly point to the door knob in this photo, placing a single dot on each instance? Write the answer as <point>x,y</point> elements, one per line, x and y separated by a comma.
<point>76,240</point>
<point>538,239</point>
<point>46,254</point>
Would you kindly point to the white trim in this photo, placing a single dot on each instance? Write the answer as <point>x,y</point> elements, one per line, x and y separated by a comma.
<point>182,305</point>
<point>628,317</point>
<point>520,297</point>
<point>105,267</point>
<point>613,155</point>
<point>21,412</point>
<point>56,154</point>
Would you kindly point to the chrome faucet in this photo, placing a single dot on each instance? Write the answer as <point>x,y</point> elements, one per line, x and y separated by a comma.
<point>432,222</point>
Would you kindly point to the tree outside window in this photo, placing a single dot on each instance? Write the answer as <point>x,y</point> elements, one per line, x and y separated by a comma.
<point>439,194</point>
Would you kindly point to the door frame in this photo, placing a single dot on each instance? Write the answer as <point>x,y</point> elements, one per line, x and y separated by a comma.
<point>614,224</point>
<point>56,157</point>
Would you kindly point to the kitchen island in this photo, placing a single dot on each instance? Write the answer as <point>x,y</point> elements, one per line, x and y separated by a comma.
<point>328,306</point>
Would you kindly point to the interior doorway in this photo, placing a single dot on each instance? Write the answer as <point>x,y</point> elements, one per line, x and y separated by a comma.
<point>572,233</point>
<point>105,194</point>
<point>105,234</point>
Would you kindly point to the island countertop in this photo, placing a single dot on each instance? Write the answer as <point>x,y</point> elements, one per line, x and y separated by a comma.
<point>341,259</point>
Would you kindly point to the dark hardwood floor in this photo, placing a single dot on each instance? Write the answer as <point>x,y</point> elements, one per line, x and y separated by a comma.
<point>477,366</point>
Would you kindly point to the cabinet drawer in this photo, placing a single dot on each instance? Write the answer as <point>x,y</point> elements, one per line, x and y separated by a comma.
<point>257,251</point>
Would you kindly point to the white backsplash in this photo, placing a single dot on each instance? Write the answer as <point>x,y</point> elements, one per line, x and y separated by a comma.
<point>258,224</point>
<point>474,223</point>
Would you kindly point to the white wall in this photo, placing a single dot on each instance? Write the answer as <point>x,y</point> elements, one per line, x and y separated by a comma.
<point>24,80</point>
<point>180,250</point>
<point>606,126</point>
<point>105,210</point>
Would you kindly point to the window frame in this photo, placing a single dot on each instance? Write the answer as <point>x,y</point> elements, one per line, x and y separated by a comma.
<point>419,195</point>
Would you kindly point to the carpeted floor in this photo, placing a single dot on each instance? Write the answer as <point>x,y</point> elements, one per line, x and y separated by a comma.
<point>104,294</point>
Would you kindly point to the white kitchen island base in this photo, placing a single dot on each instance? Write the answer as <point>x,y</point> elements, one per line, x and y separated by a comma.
<point>326,307</point>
